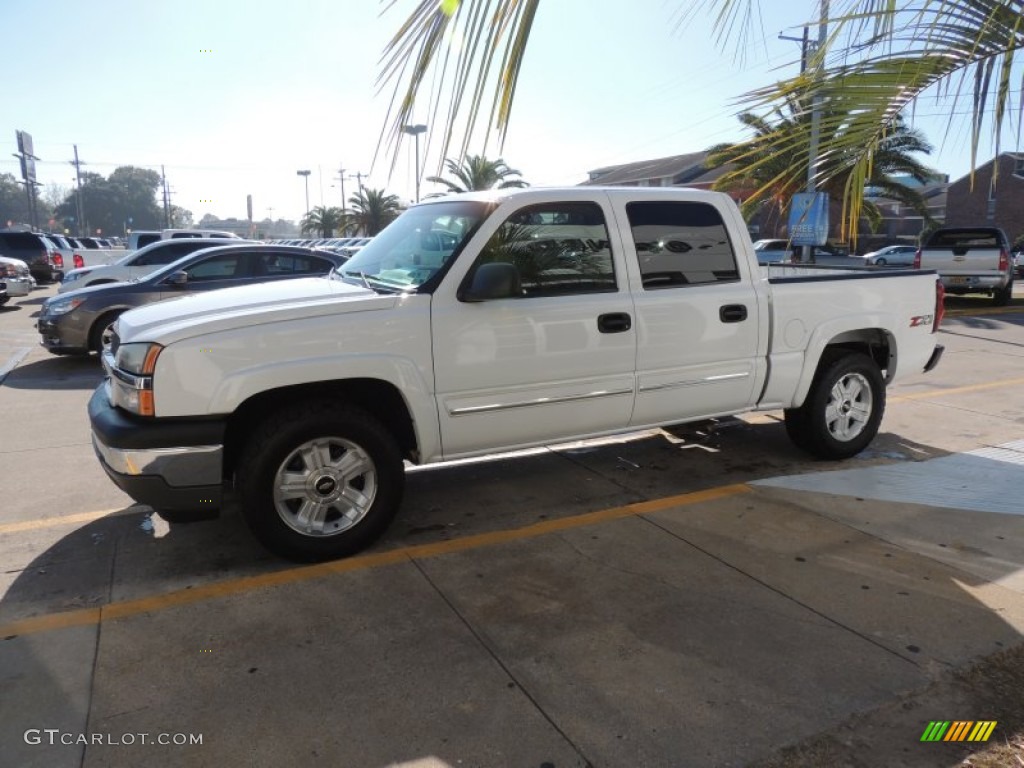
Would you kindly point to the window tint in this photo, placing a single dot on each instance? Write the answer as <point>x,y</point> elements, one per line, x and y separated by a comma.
<point>558,248</point>
<point>163,255</point>
<point>680,243</point>
<point>272,264</point>
<point>221,267</point>
<point>973,238</point>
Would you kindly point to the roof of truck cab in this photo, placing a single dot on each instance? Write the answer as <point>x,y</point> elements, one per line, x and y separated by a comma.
<point>574,192</point>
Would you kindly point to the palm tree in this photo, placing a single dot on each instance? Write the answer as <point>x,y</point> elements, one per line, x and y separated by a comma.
<point>773,177</point>
<point>476,172</point>
<point>879,58</point>
<point>322,221</point>
<point>371,211</point>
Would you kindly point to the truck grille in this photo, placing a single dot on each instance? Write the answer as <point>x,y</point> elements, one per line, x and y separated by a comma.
<point>115,342</point>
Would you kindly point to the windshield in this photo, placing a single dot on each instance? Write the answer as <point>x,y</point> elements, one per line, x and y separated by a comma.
<point>416,246</point>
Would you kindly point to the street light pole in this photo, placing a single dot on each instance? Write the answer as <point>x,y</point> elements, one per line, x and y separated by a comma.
<point>305,175</point>
<point>415,131</point>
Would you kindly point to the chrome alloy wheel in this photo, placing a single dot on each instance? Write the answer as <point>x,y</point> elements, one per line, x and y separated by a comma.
<point>325,486</point>
<point>849,408</point>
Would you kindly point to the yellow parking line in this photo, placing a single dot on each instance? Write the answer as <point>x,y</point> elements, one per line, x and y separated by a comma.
<point>959,390</point>
<point>126,608</point>
<point>50,522</point>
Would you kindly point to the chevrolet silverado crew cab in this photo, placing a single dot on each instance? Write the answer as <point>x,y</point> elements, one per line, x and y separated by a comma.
<point>970,260</point>
<point>487,322</point>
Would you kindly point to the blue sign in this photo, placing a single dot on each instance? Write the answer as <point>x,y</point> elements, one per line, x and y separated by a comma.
<point>808,218</point>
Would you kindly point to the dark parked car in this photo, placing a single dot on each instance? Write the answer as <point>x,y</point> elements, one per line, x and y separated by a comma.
<point>43,259</point>
<point>80,321</point>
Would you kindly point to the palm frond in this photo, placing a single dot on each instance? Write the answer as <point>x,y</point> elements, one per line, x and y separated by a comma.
<point>480,44</point>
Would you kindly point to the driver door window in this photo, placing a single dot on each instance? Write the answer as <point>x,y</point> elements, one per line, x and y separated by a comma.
<point>557,248</point>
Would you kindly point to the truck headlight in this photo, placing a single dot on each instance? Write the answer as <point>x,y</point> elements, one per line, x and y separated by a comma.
<point>131,377</point>
<point>138,359</point>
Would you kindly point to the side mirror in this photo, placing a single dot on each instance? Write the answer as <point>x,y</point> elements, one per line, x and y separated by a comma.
<point>495,280</point>
<point>178,279</point>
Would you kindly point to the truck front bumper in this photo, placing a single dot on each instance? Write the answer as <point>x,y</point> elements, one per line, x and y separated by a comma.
<point>169,465</point>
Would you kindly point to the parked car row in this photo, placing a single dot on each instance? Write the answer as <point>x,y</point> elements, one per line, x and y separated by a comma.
<point>49,254</point>
<point>79,321</point>
<point>347,246</point>
<point>136,264</point>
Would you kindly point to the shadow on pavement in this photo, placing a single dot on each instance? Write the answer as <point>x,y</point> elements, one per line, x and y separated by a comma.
<point>61,373</point>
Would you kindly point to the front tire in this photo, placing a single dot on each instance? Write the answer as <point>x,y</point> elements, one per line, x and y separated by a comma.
<point>99,334</point>
<point>843,409</point>
<point>320,481</point>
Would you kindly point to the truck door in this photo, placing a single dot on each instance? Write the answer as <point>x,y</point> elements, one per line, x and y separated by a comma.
<point>697,313</point>
<point>551,358</point>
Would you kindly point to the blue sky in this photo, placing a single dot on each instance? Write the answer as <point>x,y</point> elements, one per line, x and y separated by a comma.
<point>234,97</point>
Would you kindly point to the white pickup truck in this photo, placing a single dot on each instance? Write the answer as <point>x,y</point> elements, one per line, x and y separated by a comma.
<point>487,322</point>
<point>970,260</point>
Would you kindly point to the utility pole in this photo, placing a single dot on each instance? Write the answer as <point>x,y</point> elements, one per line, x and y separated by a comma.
<point>359,180</point>
<point>812,153</point>
<point>167,199</point>
<point>341,180</point>
<point>82,228</point>
<point>358,176</point>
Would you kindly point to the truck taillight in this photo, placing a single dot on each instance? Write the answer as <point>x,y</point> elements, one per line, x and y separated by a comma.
<point>79,261</point>
<point>917,259</point>
<point>940,303</point>
<point>58,260</point>
<point>1004,260</point>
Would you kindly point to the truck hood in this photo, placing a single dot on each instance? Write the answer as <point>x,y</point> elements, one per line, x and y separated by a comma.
<point>229,308</point>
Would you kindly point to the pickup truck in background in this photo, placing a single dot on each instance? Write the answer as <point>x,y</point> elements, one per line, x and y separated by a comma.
<point>488,322</point>
<point>970,260</point>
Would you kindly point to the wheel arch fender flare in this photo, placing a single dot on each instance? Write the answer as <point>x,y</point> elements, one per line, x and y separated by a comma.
<point>873,338</point>
<point>330,377</point>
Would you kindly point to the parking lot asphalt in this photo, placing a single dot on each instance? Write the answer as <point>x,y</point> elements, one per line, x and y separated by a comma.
<point>700,596</point>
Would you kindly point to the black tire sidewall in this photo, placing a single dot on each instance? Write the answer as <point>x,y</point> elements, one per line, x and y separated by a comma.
<point>281,434</point>
<point>816,438</point>
<point>96,332</point>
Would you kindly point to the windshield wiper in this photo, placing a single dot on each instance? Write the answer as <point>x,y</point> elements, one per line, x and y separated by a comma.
<point>362,278</point>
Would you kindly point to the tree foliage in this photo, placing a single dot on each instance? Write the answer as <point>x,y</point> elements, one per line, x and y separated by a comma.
<point>371,211</point>
<point>771,177</point>
<point>475,173</point>
<point>878,60</point>
<point>124,200</point>
<point>14,203</point>
<point>322,222</point>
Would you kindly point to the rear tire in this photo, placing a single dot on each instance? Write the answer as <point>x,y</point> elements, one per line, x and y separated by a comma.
<point>1004,295</point>
<point>319,481</point>
<point>843,409</point>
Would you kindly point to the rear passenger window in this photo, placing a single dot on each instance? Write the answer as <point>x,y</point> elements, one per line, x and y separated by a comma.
<point>558,249</point>
<point>681,243</point>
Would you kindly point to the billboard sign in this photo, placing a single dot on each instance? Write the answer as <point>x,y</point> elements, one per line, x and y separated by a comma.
<point>25,143</point>
<point>808,218</point>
